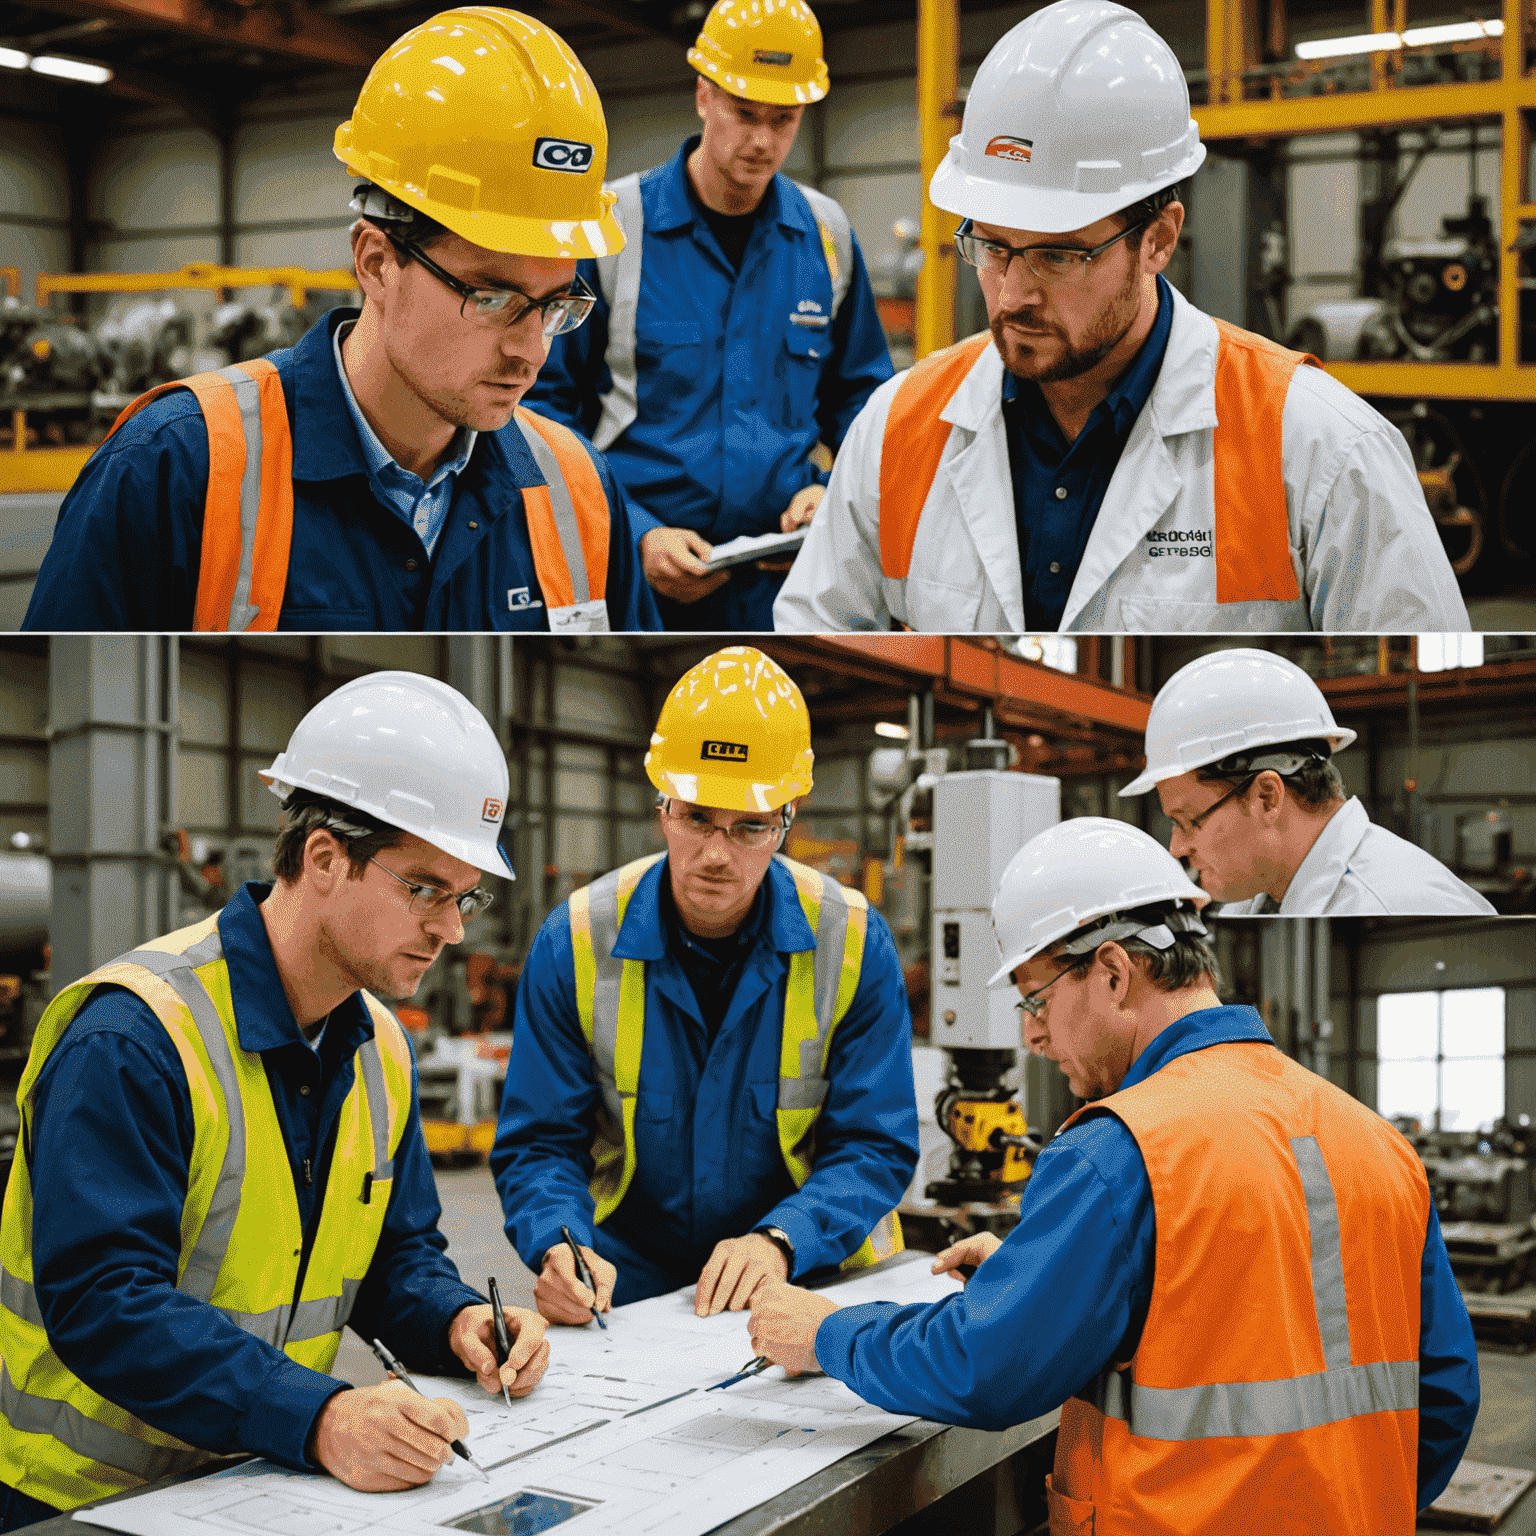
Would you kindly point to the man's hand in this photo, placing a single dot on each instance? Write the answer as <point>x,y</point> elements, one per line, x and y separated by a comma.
<point>561,1297</point>
<point>801,509</point>
<point>784,1324</point>
<point>673,559</point>
<point>381,1439</point>
<point>972,1251</point>
<point>735,1270</point>
<point>470,1337</point>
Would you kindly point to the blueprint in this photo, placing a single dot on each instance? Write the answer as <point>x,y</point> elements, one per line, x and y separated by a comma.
<point>620,1437</point>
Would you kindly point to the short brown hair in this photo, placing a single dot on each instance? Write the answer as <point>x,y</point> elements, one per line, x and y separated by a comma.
<point>1316,783</point>
<point>1146,210</point>
<point>1183,964</point>
<point>358,833</point>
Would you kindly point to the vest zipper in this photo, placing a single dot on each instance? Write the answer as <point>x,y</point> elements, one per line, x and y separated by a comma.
<point>309,1177</point>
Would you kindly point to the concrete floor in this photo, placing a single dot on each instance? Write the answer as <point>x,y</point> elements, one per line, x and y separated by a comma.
<point>1505,1434</point>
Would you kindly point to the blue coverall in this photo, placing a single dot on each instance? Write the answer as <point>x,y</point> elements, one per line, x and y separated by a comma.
<point>111,1148</point>
<point>709,1164</point>
<point>1068,1291</point>
<point>732,392</point>
<point>129,538</point>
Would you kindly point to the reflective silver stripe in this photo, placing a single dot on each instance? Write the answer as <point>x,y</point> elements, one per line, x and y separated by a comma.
<point>207,1257</point>
<point>603,913</point>
<point>809,1089</point>
<point>1256,1407</point>
<point>378,1106</point>
<point>1327,1255</point>
<point>564,509</point>
<point>619,278</point>
<point>829,215</point>
<point>33,1415</point>
<point>292,1324</point>
<point>19,1299</point>
<point>269,1326</point>
<point>248,397</point>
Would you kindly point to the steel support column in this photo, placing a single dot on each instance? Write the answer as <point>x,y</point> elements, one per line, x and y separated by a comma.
<point>112,705</point>
<point>938,87</point>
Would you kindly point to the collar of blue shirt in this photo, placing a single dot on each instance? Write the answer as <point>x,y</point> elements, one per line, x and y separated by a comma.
<point>1194,1032</point>
<point>263,1019</point>
<point>643,935</point>
<point>673,209</point>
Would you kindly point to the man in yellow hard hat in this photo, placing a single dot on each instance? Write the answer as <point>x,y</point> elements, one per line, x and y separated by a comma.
<point>735,330</point>
<point>767,1128</point>
<point>381,474</point>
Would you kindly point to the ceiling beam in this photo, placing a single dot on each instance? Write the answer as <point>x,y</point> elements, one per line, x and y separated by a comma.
<point>617,14</point>
<point>290,31</point>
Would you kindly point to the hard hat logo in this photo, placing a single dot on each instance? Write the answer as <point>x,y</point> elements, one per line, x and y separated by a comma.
<point>724,751</point>
<point>767,56</point>
<point>492,811</point>
<point>1006,147</point>
<point>562,155</point>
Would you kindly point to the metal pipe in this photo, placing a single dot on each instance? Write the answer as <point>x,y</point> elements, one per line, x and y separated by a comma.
<point>938,86</point>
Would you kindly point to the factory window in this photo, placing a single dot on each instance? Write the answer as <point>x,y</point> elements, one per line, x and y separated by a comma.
<point>1444,653</point>
<point>1051,649</point>
<point>1440,1057</point>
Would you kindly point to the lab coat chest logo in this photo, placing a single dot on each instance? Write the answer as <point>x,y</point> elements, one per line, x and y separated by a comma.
<point>492,811</point>
<point>724,751</point>
<point>1006,147</point>
<point>1180,543</point>
<point>562,155</point>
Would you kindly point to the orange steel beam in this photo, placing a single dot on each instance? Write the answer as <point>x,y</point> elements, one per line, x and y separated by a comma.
<point>1501,682</point>
<point>290,30</point>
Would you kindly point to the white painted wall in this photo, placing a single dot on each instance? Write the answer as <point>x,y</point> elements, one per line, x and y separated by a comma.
<point>34,203</point>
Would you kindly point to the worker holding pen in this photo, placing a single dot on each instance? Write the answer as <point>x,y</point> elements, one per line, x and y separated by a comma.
<point>221,1160</point>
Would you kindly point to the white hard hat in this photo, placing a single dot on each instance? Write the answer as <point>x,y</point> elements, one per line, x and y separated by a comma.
<point>1076,113</point>
<point>406,750</point>
<point>1230,702</point>
<point>1085,868</point>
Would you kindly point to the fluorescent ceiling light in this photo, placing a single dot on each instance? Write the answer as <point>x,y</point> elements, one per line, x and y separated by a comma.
<point>10,58</point>
<point>72,69</point>
<point>1337,47</point>
<point>1454,32</point>
<point>891,729</point>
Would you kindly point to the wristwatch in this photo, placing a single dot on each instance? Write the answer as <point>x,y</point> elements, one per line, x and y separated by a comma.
<point>780,1239</point>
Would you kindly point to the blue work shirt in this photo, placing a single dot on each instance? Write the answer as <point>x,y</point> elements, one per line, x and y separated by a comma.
<point>1058,487</point>
<point>128,543</point>
<point>709,1165</point>
<point>733,392</point>
<point>1067,1293</point>
<point>424,506</point>
<point>112,1144</point>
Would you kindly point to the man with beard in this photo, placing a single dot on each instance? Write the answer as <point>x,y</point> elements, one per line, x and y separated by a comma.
<point>1240,748</point>
<point>221,1160</point>
<point>1227,1273</point>
<point>380,475</point>
<point>1108,458</point>
<point>711,1072</point>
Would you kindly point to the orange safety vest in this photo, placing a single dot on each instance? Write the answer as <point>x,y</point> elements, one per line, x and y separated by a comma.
<point>1253,561</point>
<point>1275,1386</point>
<point>248,514</point>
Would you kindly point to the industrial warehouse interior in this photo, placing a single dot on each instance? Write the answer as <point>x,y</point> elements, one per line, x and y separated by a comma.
<point>133,804</point>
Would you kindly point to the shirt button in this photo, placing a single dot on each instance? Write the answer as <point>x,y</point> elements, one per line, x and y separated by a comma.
<point>304,1090</point>
<point>1061,493</point>
<point>410,565</point>
<point>1055,568</point>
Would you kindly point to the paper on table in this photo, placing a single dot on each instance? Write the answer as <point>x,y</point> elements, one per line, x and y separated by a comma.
<point>619,1438</point>
<point>763,546</point>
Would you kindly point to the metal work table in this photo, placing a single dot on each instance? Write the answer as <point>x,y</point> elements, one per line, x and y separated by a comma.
<point>990,1484</point>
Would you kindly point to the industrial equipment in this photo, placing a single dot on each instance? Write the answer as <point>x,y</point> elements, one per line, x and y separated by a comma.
<point>982,816</point>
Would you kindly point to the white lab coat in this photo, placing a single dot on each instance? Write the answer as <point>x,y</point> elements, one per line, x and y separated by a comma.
<point>1364,548</point>
<point>1355,869</point>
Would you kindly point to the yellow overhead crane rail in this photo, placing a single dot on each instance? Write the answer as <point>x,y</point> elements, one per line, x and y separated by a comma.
<point>1246,102</point>
<point>297,280</point>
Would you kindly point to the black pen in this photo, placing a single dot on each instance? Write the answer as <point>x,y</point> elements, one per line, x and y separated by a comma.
<point>499,1332</point>
<point>584,1274</point>
<point>389,1363</point>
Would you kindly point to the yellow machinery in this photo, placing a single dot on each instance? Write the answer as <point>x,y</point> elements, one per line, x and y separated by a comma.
<point>27,466</point>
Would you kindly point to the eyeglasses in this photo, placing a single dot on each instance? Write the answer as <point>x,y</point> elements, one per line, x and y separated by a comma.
<point>744,834</point>
<point>1032,1004</point>
<point>428,901</point>
<point>1196,822</point>
<point>494,306</point>
<point>1050,263</point>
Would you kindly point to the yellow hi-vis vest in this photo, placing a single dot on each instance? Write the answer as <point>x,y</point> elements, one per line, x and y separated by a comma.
<point>240,1230</point>
<point>610,1000</point>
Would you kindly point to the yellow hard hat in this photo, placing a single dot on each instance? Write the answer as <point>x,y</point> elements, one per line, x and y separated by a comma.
<point>484,120</point>
<point>733,734</point>
<point>763,50</point>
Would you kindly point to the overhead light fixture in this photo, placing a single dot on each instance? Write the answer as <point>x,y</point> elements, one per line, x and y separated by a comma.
<point>12,58</point>
<point>1338,47</point>
<point>891,729</point>
<point>72,69</point>
<point>1453,32</point>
